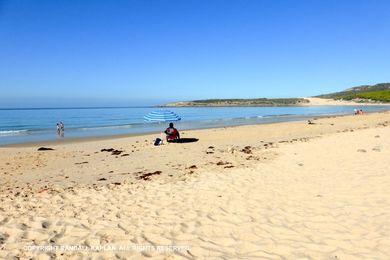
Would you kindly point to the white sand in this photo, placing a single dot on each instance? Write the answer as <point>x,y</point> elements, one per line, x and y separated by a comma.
<point>332,102</point>
<point>318,191</point>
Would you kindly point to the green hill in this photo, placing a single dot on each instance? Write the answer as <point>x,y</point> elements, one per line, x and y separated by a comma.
<point>240,102</point>
<point>367,93</point>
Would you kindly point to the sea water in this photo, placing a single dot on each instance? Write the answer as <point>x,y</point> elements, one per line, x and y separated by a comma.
<point>34,125</point>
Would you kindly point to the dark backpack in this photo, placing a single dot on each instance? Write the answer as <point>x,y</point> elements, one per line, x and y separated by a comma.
<point>157,142</point>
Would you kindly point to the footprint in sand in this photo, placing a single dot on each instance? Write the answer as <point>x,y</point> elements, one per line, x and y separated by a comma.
<point>46,224</point>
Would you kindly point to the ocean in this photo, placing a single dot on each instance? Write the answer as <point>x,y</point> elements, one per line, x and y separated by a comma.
<point>34,125</point>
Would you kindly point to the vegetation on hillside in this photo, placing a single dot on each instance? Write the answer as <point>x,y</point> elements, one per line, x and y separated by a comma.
<point>374,93</point>
<point>367,93</point>
<point>242,102</point>
<point>380,95</point>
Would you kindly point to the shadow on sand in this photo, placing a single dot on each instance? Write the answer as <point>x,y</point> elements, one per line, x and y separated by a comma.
<point>185,140</point>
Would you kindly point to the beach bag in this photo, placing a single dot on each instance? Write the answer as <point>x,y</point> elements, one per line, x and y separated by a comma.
<point>157,142</point>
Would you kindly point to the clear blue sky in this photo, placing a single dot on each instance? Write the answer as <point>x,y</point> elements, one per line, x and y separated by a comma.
<point>131,52</point>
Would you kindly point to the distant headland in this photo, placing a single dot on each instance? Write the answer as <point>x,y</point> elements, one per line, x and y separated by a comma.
<point>366,94</point>
<point>261,102</point>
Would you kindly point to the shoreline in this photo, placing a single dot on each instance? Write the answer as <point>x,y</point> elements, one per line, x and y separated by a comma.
<point>148,134</point>
<point>153,133</point>
<point>141,151</point>
<point>32,135</point>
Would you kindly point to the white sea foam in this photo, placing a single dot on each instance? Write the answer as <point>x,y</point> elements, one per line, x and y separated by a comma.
<point>13,132</point>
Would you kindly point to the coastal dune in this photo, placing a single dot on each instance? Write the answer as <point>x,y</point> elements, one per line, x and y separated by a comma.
<point>285,190</point>
<point>314,101</point>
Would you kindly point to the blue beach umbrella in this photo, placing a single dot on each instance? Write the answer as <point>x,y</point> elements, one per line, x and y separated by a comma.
<point>162,116</point>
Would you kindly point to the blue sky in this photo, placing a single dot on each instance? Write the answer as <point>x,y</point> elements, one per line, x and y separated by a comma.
<point>141,52</point>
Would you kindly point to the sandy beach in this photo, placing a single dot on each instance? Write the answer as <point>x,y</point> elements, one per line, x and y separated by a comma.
<point>313,101</point>
<point>273,191</point>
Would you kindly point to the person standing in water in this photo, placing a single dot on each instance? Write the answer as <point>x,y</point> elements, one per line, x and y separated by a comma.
<point>62,129</point>
<point>58,129</point>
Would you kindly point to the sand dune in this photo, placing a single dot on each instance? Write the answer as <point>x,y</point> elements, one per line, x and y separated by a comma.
<point>288,190</point>
<point>333,102</point>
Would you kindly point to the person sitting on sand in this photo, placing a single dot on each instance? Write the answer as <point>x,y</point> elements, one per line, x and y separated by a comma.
<point>172,133</point>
